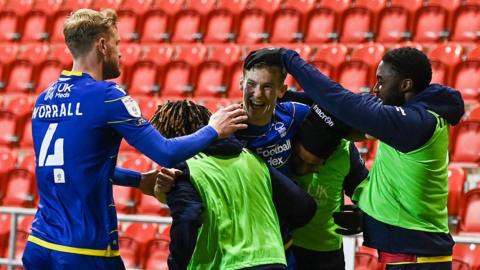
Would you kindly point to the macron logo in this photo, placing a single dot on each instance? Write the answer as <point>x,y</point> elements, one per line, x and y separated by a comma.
<point>399,109</point>
<point>323,116</point>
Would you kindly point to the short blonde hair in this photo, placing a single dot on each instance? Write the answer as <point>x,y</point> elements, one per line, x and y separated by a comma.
<point>84,26</point>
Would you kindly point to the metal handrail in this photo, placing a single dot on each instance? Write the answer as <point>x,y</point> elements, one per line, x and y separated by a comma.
<point>17,211</point>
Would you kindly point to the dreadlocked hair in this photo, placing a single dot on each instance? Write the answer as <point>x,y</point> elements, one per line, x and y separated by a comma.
<point>179,118</point>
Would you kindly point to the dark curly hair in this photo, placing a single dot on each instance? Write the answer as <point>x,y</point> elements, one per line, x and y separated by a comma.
<point>180,118</point>
<point>410,63</point>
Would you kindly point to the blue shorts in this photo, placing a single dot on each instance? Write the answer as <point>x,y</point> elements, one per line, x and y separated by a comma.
<point>36,257</point>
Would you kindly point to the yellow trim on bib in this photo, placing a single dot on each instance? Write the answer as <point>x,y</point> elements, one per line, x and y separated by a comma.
<point>82,251</point>
<point>437,259</point>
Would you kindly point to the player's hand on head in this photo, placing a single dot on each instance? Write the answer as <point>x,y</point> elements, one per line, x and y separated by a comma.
<point>229,119</point>
<point>272,56</point>
<point>350,220</point>
<point>147,184</point>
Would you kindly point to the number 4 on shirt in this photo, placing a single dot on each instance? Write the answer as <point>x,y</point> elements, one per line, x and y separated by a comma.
<point>55,159</point>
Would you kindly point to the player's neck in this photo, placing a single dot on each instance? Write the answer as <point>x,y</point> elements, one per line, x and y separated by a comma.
<point>90,65</point>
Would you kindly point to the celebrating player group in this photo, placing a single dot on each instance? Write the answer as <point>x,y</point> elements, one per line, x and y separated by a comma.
<point>257,185</point>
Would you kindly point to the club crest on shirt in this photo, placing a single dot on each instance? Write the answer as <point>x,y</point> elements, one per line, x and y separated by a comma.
<point>132,107</point>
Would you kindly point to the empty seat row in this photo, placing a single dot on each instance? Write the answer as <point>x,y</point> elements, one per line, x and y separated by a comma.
<point>214,71</point>
<point>253,21</point>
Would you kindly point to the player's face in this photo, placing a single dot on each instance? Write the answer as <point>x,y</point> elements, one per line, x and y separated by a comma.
<point>261,87</point>
<point>388,83</point>
<point>111,64</point>
<point>305,162</point>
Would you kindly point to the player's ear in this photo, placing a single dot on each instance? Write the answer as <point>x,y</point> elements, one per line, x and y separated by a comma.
<point>282,90</point>
<point>102,46</point>
<point>241,83</point>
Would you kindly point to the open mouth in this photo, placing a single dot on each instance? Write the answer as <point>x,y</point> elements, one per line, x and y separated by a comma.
<point>254,104</point>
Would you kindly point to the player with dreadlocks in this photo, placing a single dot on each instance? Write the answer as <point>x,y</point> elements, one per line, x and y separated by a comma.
<point>223,205</point>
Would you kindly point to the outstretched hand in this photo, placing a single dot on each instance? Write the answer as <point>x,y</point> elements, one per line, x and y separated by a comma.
<point>229,119</point>
<point>350,219</point>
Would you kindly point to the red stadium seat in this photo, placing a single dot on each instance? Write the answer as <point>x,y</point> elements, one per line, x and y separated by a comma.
<point>358,74</point>
<point>148,105</point>
<point>130,55</point>
<point>367,259</point>
<point>467,255</point>
<point>474,54</point>
<point>358,21</point>
<point>192,54</point>
<point>9,24</point>
<point>35,26</point>
<point>329,58</point>
<point>211,80</point>
<point>149,205</point>
<point>101,4</point>
<point>138,6</point>
<point>158,251</point>
<point>254,21</point>
<point>227,54</point>
<point>456,180</point>
<point>395,20</point>
<point>474,114</point>
<point>323,21</point>
<point>466,77</point>
<point>8,160</point>
<point>130,250</point>
<point>19,7</point>
<point>287,26</point>
<point>20,189</point>
<point>124,198</point>
<point>159,54</point>
<point>220,22</point>
<point>431,23</point>
<point>142,233</point>
<point>60,52</point>
<point>8,52</point>
<point>235,75</point>
<point>144,78</point>
<point>187,26</point>
<point>158,21</point>
<point>466,26</point>
<point>56,29</point>
<point>48,72</point>
<point>22,106</point>
<point>469,217</point>
<point>466,80</point>
<point>177,81</point>
<point>370,54</point>
<point>139,163</point>
<point>444,57</point>
<point>49,7</point>
<point>71,5</point>
<point>466,147</point>
<point>220,27</point>
<point>127,25</point>
<point>4,232</point>
<point>7,128</point>
<point>179,74</point>
<point>288,21</point>
<point>213,104</point>
<point>36,53</point>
